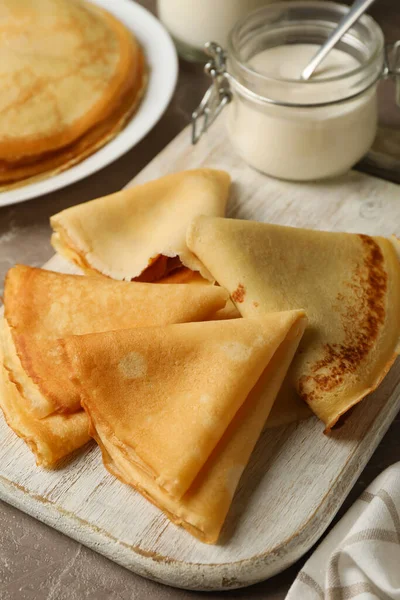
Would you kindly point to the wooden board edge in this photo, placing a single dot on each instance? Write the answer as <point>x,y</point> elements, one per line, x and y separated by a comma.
<point>211,577</point>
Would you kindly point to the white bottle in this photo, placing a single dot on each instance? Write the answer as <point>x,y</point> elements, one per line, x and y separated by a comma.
<point>192,23</point>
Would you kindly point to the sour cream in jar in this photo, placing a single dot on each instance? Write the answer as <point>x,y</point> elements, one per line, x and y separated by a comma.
<point>303,143</point>
<point>280,124</point>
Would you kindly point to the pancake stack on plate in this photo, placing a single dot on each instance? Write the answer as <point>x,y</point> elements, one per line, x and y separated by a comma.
<point>71,75</point>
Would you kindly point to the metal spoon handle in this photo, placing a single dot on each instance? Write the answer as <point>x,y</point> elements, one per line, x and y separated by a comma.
<point>355,12</point>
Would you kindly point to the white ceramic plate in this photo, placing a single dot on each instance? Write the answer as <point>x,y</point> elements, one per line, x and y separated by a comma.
<point>163,65</point>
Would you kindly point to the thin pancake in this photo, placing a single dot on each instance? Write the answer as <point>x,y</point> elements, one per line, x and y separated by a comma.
<point>288,407</point>
<point>51,438</point>
<point>123,235</point>
<point>52,163</point>
<point>193,434</point>
<point>349,284</point>
<point>41,306</point>
<point>75,74</point>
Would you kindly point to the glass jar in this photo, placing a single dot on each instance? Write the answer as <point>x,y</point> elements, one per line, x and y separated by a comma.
<point>282,125</point>
<point>194,22</point>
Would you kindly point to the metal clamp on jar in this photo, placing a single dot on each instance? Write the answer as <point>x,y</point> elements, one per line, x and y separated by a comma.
<point>285,126</point>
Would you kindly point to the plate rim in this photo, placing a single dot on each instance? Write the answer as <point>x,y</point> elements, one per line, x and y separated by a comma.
<point>81,170</point>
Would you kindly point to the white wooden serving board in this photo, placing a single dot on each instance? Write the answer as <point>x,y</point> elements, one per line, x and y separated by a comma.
<point>297,478</point>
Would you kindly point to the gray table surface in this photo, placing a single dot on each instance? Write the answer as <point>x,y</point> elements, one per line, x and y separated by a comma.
<point>36,562</point>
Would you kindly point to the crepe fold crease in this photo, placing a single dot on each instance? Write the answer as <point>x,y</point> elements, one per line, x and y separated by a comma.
<point>177,410</point>
<point>349,285</point>
<point>140,232</point>
<point>51,438</point>
<point>41,306</point>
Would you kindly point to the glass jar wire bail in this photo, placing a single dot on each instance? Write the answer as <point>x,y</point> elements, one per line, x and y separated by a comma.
<point>391,68</point>
<point>219,94</point>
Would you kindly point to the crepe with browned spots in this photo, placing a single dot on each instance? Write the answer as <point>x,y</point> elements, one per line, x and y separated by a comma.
<point>348,284</point>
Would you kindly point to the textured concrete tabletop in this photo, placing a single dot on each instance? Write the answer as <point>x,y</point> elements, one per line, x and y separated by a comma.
<point>36,562</point>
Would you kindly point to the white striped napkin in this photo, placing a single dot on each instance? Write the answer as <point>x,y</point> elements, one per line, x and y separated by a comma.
<point>360,557</point>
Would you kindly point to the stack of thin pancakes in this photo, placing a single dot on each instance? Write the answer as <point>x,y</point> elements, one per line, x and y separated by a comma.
<point>348,284</point>
<point>173,386</point>
<point>72,75</point>
<point>40,306</point>
<point>176,408</point>
<point>175,393</point>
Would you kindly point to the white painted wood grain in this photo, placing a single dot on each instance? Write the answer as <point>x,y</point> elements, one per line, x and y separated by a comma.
<point>297,478</point>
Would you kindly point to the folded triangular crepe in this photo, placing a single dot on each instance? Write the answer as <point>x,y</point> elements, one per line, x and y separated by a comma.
<point>51,438</point>
<point>41,306</point>
<point>349,284</point>
<point>178,410</point>
<point>140,232</point>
